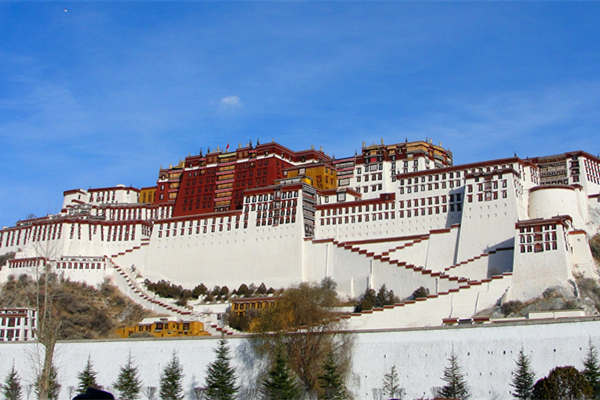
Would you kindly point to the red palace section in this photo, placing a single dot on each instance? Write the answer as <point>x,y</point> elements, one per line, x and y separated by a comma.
<point>215,182</point>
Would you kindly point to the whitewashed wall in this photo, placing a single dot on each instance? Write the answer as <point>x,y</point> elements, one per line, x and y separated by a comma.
<point>552,201</point>
<point>228,258</point>
<point>486,355</point>
<point>534,272</point>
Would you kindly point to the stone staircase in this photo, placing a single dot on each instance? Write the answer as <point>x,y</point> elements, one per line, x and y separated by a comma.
<point>434,310</point>
<point>477,266</point>
<point>404,246</point>
<point>133,287</point>
<point>445,281</point>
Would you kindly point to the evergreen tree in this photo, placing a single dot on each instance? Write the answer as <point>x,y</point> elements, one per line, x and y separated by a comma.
<point>331,381</point>
<point>262,289</point>
<point>221,379</point>
<point>391,388</point>
<point>87,377</point>
<point>171,387</point>
<point>562,383</point>
<point>53,385</point>
<point>367,301</point>
<point>12,386</point>
<point>128,383</point>
<point>456,386</point>
<point>522,378</point>
<point>280,383</point>
<point>591,370</point>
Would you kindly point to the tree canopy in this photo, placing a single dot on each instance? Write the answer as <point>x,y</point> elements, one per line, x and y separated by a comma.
<point>564,383</point>
<point>303,323</point>
<point>522,378</point>
<point>220,378</point>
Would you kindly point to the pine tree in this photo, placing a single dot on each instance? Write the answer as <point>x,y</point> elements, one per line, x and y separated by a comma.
<point>591,370</point>
<point>331,381</point>
<point>53,385</point>
<point>221,379</point>
<point>12,386</point>
<point>562,383</point>
<point>128,383</point>
<point>280,383</point>
<point>87,377</point>
<point>456,387</point>
<point>391,388</point>
<point>171,387</point>
<point>523,378</point>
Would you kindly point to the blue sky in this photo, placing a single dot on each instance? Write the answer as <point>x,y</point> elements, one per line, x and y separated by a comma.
<point>106,93</point>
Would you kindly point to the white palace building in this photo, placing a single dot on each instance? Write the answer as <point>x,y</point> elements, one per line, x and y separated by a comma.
<point>402,215</point>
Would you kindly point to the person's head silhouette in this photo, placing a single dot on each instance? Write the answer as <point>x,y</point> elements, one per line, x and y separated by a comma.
<point>94,394</point>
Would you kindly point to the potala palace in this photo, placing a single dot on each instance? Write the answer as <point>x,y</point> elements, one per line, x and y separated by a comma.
<point>400,214</point>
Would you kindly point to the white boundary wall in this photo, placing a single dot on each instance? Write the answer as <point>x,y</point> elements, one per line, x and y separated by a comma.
<point>486,355</point>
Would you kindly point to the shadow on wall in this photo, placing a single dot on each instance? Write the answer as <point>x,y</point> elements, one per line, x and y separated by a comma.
<point>253,369</point>
<point>500,258</point>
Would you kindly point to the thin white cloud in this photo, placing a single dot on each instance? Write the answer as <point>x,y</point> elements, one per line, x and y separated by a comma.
<point>231,101</point>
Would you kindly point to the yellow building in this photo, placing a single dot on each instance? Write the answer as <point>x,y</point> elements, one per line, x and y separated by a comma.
<point>147,195</point>
<point>164,327</point>
<point>322,176</point>
<point>243,305</point>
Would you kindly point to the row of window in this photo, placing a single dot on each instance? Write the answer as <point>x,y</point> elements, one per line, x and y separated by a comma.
<point>434,210</point>
<point>79,265</point>
<point>430,178</point>
<point>487,196</point>
<point>34,262</point>
<point>374,177</point>
<point>127,214</point>
<point>271,221</point>
<point>538,237</point>
<point>593,170</point>
<point>351,219</point>
<point>13,321</point>
<point>374,188</point>
<point>431,186</point>
<point>341,197</point>
<point>358,209</point>
<point>404,213</point>
<point>283,212</point>
<point>35,233</point>
<point>52,232</point>
<point>11,335</point>
<point>488,185</point>
<point>455,197</point>
<point>537,228</point>
<point>104,196</point>
<point>538,247</point>
<point>205,229</point>
<point>223,223</point>
<point>370,168</point>
<point>271,196</point>
<point>109,233</point>
<point>270,206</point>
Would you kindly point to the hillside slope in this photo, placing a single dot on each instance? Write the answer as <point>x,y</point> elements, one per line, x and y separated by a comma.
<point>86,312</point>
